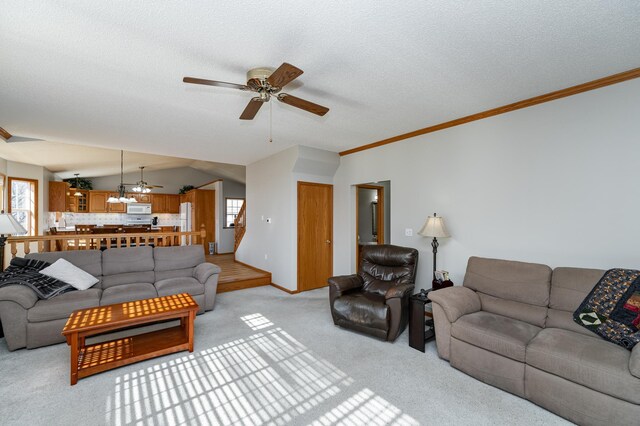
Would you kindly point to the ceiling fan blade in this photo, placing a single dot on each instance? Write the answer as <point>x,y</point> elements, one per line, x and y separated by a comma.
<point>252,109</point>
<point>14,139</point>
<point>154,186</point>
<point>6,135</point>
<point>302,104</point>
<point>194,80</point>
<point>284,75</point>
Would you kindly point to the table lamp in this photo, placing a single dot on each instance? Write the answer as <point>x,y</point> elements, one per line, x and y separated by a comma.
<point>8,226</point>
<point>434,227</point>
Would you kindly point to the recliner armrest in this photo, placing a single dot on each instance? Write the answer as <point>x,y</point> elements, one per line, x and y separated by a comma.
<point>634,361</point>
<point>203,271</point>
<point>19,294</point>
<point>344,283</point>
<point>400,290</point>
<point>456,301</point>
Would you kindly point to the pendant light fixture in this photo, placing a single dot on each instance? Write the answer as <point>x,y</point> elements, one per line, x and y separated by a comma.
<point>77,188</point>
<point>121,198</point>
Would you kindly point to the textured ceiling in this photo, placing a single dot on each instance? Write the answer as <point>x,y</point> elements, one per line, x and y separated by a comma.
<point>110,73</point>
<point>65,160</point>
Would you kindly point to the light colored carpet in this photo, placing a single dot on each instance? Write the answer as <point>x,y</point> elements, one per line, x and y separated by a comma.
<point>261,357</point>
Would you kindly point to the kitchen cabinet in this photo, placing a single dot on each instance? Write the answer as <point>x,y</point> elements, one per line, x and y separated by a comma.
<point>116,207</point>
<point>78,204</point>
<point>58,196</point>
<point>173,203</point>
<point>141,198</point>
<point>98,201</point>
<point>158,203</point>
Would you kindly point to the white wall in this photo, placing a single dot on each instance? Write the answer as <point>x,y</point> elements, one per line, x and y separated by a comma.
<point>230,189</point>
<point>3,170</point>
<point>557,183</point>
<point>271,192</point>
<point>268,194</point>
<point>171,179</point>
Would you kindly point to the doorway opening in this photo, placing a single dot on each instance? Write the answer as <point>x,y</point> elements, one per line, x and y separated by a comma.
<point>372,215</point>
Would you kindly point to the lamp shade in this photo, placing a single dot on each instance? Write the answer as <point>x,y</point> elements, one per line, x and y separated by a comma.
<point>434,227</point>
<point>9,225</point>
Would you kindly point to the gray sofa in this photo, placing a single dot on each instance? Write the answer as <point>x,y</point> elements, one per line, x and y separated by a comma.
<point>125,274</point>
<point>510,325</point>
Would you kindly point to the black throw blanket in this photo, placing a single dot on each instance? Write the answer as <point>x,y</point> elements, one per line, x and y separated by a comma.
<point>26,272</point>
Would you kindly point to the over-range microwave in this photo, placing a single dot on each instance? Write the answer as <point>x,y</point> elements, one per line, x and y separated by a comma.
<point>139,208</point>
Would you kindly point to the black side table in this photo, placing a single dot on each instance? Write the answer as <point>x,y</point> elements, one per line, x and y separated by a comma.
<point>421,330</point>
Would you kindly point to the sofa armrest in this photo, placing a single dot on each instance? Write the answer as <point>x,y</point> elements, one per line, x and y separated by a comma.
<point>456,301</point>
<point>19,294</point>
<point>343,283</point>
<point>634,361</point>
<point>203,271</point>
<point>400,290</point>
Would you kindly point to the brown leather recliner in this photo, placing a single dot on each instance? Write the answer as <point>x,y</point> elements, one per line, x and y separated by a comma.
<point>376,300</point>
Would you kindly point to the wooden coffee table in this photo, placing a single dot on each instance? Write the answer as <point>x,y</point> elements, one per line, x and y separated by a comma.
<point>87,360</point>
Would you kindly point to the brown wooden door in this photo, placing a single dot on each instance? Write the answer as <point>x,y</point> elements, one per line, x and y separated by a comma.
<point>315,235</point>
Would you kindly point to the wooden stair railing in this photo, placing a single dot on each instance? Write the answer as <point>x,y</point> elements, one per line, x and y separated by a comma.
<point>84,241</point>
<point>240,226</point>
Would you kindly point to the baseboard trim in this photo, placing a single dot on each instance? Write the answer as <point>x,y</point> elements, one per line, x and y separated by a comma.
<point>286,290</point>
<point>244,284</point>
<point>253,267</point>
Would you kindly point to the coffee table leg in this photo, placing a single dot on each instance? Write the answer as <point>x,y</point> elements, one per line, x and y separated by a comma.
<point>74,358</point>
<point>190,322</point>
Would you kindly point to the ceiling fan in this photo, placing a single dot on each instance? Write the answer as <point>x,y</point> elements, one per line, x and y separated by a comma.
<point>9,138</point>
<point>141,185</point>
<point>266,83</point>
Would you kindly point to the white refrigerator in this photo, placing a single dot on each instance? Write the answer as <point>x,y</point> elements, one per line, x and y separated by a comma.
<point>185,221</point>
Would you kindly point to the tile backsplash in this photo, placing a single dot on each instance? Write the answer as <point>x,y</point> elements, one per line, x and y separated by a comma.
<point>71,219</point>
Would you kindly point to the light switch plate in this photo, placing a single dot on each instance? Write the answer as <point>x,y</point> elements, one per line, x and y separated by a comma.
<point>268,220</point>
<point>408,232</point>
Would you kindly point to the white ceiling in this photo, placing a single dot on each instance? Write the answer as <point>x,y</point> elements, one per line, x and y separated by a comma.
<point>65,160</point>
<point>110,74</point>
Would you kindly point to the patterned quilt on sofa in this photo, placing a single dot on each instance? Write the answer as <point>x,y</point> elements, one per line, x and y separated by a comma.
<point>612,308</point>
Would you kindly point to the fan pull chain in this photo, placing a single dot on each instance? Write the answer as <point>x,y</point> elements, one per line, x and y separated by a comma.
<point>270,122</point>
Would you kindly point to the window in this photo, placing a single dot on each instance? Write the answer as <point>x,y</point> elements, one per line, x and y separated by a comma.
<point>23,203</point>
<point>233,206</point>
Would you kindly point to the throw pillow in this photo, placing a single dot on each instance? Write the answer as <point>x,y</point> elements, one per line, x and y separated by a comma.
<point>612,308</point>
<point>66,271</point>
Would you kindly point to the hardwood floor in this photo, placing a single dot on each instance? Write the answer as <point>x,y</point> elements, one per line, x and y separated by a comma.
<point>236,275</point>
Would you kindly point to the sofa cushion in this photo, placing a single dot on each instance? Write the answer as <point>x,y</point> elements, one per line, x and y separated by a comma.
<point>363,309</point>
<point>179,285</point>
<point>507,279</point>
<point>128,278</point>
<point>502,335</point>
<point>569,287</point>
<point>589,361</point>
<point>87,260</point>
<point>60,307</point>
<point>126,260</point>
<point>128,293</point>
<point>181,257</point>
<point>174,262</point>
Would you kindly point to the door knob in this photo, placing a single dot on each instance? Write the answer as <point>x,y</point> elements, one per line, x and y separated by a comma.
<point>328,241</point>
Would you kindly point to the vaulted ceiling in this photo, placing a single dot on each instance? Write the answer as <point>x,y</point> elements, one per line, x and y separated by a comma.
<point>109,74</point>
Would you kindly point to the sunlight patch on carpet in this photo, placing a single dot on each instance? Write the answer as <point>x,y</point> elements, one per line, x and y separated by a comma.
<point>366,408</point>
<point>256,321</point>
<point>268,377</point>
